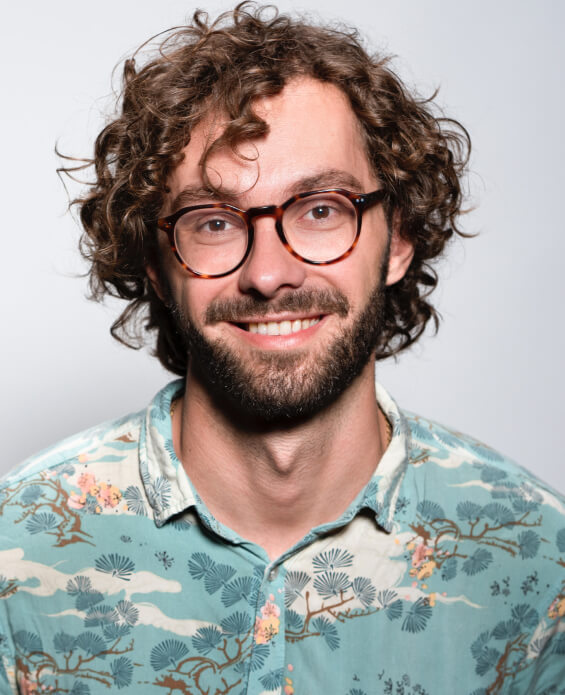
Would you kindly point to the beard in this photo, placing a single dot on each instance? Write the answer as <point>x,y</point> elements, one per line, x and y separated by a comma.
<point>276,386</point>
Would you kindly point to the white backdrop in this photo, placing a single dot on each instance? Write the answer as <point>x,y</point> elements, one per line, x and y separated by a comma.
<point>495,369</point>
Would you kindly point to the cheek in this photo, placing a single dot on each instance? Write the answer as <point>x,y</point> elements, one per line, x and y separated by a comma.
<point>195,295</point>
<point>357,275</point>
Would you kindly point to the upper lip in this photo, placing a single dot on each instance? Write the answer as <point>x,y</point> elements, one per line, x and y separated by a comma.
<point>280,317</point>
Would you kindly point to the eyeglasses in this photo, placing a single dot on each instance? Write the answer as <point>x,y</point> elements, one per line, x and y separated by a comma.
<point>317,227</point>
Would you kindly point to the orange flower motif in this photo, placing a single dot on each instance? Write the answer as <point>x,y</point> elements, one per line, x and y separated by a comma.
<point>266,629</point>
<point>267,626</point>
<point>109,495</point>
<point>426,569</point>
<point>557,608</point>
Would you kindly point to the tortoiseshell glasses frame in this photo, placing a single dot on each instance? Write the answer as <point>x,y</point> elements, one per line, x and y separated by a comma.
<point>360,203</point>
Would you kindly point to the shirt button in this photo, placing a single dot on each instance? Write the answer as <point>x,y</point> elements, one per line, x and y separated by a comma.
<point>273,574</point>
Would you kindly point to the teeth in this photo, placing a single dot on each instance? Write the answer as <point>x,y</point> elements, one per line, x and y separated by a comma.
<point>281,327</point>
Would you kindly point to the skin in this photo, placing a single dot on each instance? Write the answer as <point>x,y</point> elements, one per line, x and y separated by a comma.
<point>293,476</point>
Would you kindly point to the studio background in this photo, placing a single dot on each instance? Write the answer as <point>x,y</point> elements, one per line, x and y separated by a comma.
<point>494,370</point>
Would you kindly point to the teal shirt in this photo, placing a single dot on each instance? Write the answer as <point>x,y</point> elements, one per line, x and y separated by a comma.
<point>444,576</point>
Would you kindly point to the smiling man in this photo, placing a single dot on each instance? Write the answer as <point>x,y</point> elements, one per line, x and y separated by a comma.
<point>273,523</point>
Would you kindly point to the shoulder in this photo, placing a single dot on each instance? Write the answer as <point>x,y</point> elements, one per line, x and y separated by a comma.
<point>483,496</point>
<point>484,528</point>
<point>483,499</point>
<point>456,458</point>
<point>84,446</point>
<point>85,470</point>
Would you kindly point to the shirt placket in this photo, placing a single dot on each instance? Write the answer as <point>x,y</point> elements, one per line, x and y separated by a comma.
<point>268,668</point>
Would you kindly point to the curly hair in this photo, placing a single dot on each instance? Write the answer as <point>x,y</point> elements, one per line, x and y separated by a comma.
<point>224,66</point>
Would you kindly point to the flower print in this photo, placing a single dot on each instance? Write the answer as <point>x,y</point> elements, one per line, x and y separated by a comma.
<point>420,554</point>
<point>270,610</point>
<point>76,501</point>
<point>108,495</point>
<point>267,626</point>
<point>86,481</point>
<point>427,569</point>
<point>557,608</point>
<point>95,496</point>
<point>423,562</point>
<point>28,685</point>
<point>266,629</point>
<point>288,684</point>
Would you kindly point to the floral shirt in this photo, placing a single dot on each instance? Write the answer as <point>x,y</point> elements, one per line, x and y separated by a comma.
<point>444,576</point>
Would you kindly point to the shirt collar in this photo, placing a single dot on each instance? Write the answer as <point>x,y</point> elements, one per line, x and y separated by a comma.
<point>170,492</point>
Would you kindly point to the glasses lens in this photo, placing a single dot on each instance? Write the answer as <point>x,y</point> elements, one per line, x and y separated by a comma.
<point>211,241</point>
<point>321,227</point>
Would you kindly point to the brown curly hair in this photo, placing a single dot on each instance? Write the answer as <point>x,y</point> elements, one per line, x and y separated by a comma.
<point>225,66</point>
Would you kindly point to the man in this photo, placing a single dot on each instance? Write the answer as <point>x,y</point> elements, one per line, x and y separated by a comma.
<point>273,522</point>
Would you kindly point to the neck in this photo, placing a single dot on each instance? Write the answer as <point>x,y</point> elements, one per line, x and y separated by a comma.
<point>292,477</point>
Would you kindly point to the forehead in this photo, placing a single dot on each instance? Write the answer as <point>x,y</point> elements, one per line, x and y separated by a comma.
<point>312,131</point>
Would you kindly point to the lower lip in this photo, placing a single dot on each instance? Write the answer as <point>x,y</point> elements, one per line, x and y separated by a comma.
<point>278,342</point>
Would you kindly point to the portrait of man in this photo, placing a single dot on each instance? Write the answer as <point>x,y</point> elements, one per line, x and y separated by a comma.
<point>269,201</point>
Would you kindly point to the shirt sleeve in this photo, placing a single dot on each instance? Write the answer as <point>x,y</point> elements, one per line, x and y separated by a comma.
<point>545,673</point>
<point>7,654</point>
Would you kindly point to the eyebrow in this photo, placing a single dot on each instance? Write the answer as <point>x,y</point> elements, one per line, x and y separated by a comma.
<point>193,195</point>
<point>327,178</point>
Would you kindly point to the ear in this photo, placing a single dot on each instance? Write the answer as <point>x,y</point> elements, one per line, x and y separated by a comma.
<point>401,254</point>
<point>153,276</point>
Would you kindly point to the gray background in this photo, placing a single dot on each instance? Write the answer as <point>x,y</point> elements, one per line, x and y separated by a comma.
<point>494,370</point>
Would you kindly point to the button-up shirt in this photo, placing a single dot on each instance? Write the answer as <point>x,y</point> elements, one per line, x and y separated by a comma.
<point>444,576</point>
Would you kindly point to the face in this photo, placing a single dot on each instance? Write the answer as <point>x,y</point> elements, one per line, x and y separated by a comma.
<point>278,338</point>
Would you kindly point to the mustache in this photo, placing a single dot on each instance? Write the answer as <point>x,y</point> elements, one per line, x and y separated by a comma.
<point>235,310</point>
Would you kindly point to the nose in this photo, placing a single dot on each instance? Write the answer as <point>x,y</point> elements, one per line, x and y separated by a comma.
<point>269,266</point>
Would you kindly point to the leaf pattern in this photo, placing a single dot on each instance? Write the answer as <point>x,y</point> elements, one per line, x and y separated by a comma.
<point>167,653</point>
<point>237,623</point>
<point>331,584</point>
<point>295,582</point>
<point>478,562</point>
<point>430,510</point>
<point>364,590</point>
<point>336,558</point>
<point>122,672</point>
<point>417,617</point>
<point>116,565</point>
<point>206,639</point>
<point>529,543</point>
<point>328,631</point>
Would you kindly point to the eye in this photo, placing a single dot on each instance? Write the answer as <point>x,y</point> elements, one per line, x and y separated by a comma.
<point>215,225</point>
<point>321,212</point>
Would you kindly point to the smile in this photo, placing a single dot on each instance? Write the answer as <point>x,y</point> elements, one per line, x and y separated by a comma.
<point>280,327</point>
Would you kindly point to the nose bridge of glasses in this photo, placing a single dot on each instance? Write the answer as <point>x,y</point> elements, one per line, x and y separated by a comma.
<point>264,211</point>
